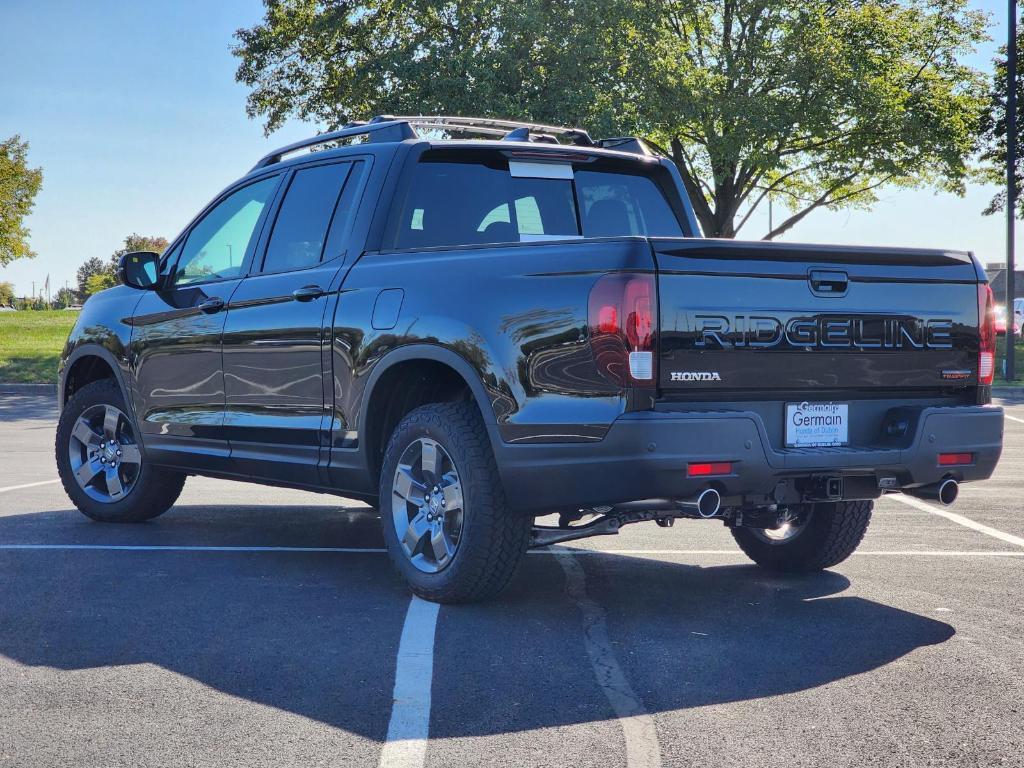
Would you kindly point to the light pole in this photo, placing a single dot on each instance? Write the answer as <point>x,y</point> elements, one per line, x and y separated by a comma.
<point>1011,182</point>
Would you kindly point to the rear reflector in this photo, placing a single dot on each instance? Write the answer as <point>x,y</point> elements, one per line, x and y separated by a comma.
<point>706,468</point>
<point>955,459</point>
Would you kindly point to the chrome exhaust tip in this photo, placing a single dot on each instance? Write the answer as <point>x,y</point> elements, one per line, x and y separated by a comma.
<point>948,491</point>
<point>706,503</point>
<point>944,491</point>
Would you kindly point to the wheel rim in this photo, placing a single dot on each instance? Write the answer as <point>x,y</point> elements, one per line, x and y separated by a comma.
<point>427,506</point>
<point>105,458</point>
<point>791,525</point>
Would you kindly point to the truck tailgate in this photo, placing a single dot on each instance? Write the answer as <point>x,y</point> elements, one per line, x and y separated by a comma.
<point>756,317</point>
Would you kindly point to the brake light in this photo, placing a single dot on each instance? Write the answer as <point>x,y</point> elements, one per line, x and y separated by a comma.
<point>955,459</point>
<point>621,315</point>
<point>987,335</point>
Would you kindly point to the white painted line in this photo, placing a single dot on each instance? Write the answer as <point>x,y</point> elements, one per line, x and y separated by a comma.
<point>1009,538</point>
<point>187,548</point>
<point>1013,418</point>
<point>559,552</point>
<point>406,742</point>
<point>28,485</point>
<point>642,749</point>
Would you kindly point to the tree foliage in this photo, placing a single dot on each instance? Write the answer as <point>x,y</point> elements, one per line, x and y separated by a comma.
<point>19,186</point>
<point>6,295</point>
<point>95,266</point>
<point>993,133</point>
<point>816,102</point>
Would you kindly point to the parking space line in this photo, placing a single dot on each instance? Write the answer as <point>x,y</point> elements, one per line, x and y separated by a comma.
<point>192,548</point>
<point>28,485</point>
<point>559,552</point>
<point>408,729</point>
<point>1012,418</point>
<point>642,749</point>
<point>1009,538</point>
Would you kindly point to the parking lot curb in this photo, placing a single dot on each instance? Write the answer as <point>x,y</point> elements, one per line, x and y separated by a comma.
<point>28,389</point>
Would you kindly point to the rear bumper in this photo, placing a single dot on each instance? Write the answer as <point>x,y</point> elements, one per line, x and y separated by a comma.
<point>644,455</point>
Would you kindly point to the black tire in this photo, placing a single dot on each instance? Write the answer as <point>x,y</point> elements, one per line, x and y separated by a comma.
<point>492,540</point>
<point>830,534</point>
<point>152,491</point>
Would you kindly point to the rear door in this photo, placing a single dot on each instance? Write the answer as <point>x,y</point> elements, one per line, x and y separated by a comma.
<point>276,415</point>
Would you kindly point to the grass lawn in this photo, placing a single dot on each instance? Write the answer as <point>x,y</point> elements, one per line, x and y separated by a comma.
<point>1018,362</point>
<point>31,343</point>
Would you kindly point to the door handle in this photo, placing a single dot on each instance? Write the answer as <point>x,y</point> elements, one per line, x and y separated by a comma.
<point>828,283</point>
<point>212,305</point>
<point>307,293</point>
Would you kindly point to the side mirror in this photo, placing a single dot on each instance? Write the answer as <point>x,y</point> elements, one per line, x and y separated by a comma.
<point>140,269</point>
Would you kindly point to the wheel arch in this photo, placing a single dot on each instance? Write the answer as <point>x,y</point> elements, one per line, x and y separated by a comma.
<point>435,374</point>
<point>89,363</point>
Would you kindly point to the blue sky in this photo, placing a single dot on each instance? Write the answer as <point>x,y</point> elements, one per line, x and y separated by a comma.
<point>133,113</point>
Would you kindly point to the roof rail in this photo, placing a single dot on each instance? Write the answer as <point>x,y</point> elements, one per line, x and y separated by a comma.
<point>377,129</point>
<point>488,126</point>
<point>400,128</point>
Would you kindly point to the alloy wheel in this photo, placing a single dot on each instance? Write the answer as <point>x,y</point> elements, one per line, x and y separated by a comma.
<point>427,505</point>
<point>105,457</point>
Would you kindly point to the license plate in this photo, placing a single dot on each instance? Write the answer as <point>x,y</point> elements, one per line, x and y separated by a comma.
<point>817,425</point>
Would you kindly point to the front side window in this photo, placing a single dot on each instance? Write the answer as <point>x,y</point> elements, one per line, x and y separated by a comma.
<point>216,246</point>
<point>309,207</point>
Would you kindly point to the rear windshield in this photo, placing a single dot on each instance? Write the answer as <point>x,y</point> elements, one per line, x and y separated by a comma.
<point>467,202</point>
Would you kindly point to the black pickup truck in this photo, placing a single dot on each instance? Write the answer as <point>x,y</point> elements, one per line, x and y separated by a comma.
<point>470,334</point>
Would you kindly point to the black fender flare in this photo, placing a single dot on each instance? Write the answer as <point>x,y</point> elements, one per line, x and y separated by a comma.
<point>435,353</point>
<point>90,349</point>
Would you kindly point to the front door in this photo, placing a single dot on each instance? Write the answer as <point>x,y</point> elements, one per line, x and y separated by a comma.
<point>277,413</point>
<point>176,342</point>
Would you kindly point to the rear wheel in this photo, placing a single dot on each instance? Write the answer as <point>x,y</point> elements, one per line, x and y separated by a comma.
<point>446,524</point>
<point>811,537</point>
<point>101,464</point>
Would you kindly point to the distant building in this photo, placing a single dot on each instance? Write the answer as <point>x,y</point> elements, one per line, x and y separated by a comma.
<point>997,279</point>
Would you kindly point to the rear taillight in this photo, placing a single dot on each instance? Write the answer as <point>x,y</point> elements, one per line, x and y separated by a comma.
<point>622,313</point>
<point>987,335</point>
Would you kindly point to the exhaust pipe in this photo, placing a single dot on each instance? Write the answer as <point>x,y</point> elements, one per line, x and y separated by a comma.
<point>944,491</point>
<point>706,503</point>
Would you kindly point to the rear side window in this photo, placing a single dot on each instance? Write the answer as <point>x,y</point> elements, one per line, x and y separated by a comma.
<point>475,202</point>
<point>305,217</point>
<point>613,204</point>
<point>468,203</point>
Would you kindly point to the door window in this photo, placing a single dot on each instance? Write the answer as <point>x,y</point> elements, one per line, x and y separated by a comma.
<point>216,246</point>
<point>305,217</point>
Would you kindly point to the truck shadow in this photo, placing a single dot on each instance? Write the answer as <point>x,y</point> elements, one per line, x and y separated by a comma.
<point>316,634</point>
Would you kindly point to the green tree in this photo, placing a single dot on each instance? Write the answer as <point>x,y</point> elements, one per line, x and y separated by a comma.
<point>135,242</point>
<point>817,103</point>
<point>99,281</point>
<point>993,133</point>
<point>92,266</point>
<point>65,298</point>
<point>19,186</point>
<point>6,295</point>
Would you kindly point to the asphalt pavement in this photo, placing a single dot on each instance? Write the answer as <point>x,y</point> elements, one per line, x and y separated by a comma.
<point>252,626</point>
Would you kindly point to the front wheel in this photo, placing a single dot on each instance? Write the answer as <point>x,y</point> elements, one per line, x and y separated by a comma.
<point>101,463</point>
<point>446,524</point>
<point>811,537</point>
